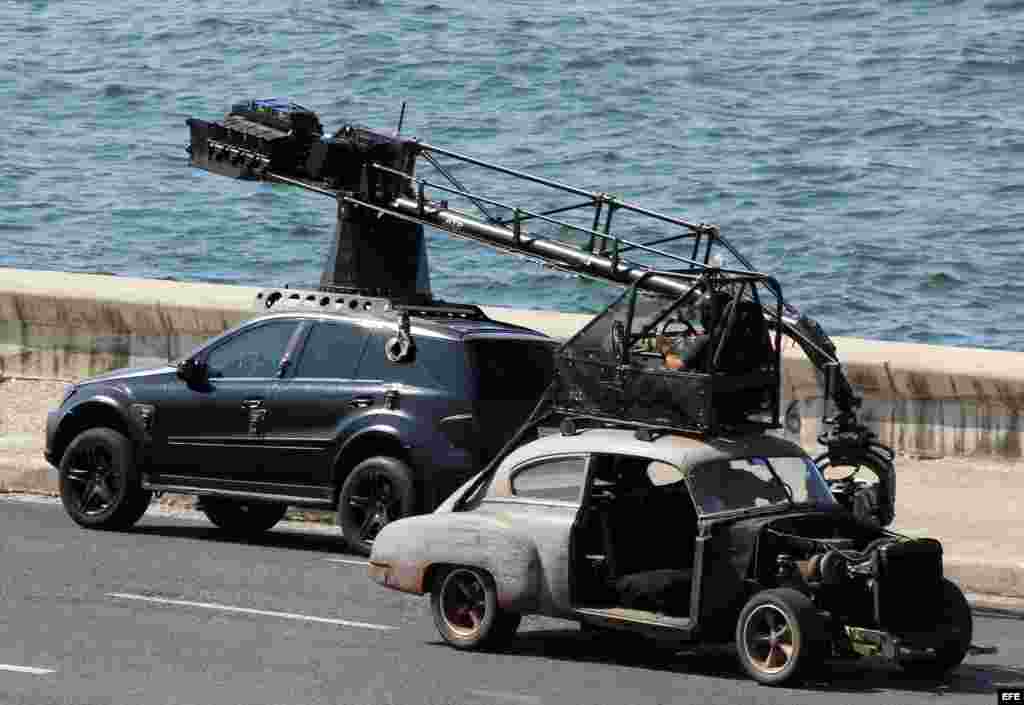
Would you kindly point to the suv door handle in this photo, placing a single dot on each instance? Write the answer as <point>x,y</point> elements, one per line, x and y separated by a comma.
<point>251,404</point>
<point>361,402</point>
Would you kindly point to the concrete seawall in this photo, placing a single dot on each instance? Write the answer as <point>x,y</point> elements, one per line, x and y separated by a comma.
<point>923,400</point>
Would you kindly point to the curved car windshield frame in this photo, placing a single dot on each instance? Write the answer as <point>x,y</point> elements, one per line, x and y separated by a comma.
<point>757,482</point>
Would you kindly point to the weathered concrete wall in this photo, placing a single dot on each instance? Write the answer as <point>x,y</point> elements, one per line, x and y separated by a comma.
<point>923,400</point>
<point>55,325</point>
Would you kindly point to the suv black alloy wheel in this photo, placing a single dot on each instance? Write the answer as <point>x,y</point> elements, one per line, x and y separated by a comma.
<point>377,492</point>
<point>99,483</point>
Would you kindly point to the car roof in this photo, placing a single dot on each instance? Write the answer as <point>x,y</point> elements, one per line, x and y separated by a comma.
<point>454,328</point>
<point>681,450</point>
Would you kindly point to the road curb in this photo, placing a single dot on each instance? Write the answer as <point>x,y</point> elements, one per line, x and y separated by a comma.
<point>1004,579</point>
<point>995,606</point>
<point>27,476</point>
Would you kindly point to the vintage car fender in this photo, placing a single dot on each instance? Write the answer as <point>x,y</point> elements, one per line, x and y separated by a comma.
<point>407,552</point>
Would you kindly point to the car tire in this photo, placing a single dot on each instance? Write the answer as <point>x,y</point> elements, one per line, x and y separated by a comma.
<point>377,492</point>
<point>100,485</point>
<point>957,627</point>
<point>240,517</point>
<point>465,606</point>
<point>780,636</point>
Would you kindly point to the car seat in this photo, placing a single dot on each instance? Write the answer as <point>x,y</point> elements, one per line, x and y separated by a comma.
<point>747,346</point>
<point>649,543</point>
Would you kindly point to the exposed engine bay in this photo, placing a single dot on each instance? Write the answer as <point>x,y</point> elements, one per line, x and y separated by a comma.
<point>859,575</point>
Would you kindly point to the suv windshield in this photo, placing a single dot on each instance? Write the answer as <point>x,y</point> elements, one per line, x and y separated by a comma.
<point>747,483</point>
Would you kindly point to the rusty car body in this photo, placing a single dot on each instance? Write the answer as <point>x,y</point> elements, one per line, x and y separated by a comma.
<point>680,538</point>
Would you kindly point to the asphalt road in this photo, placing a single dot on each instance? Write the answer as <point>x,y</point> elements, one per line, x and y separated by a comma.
<point>172,612</point>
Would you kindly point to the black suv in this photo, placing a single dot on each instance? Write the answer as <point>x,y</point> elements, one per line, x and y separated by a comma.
<point>374,408</point>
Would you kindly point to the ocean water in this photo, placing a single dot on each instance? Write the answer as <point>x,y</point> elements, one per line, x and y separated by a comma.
<point>868,154</point>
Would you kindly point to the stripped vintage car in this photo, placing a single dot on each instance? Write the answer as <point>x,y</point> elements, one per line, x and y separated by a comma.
<point>680,538</point>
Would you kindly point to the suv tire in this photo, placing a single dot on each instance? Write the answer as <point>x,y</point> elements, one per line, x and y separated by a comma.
<point>100,485</point>
<point>241,517</point>
<point>377,492</point>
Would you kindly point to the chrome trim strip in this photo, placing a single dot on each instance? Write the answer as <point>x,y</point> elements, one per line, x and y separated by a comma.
<point>531,501</point>
<point>698,578</point>
<point>682,624</point>
<point>511,335</point>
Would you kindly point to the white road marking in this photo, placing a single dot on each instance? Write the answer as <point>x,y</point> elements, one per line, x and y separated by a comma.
<point>514,697</point>
<point>26,669</point>
<point>346,561</point>
<point>29,499</point>
<point>249,610</point>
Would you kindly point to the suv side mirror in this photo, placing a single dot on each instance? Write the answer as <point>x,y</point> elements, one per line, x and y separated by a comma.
<point>192,371</point>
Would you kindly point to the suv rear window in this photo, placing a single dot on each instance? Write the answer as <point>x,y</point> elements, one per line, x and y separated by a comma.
<point>511,370</point>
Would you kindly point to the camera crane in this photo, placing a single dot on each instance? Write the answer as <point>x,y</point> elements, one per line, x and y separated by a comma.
<point>379,247</point>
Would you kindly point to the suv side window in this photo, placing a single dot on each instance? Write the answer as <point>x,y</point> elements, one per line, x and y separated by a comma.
<point>559,478</point>
<point>415,373</point>
<point>255,352</point>
<point>332,351</point>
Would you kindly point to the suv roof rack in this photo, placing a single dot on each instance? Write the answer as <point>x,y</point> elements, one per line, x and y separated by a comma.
<point>442,309</point>
<point>352,301</point>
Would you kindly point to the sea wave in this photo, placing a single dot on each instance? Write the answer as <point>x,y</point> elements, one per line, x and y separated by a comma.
<point>866,154</point>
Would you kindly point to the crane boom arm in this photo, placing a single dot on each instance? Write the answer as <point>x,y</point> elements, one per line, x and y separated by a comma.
<point>375,171</point>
